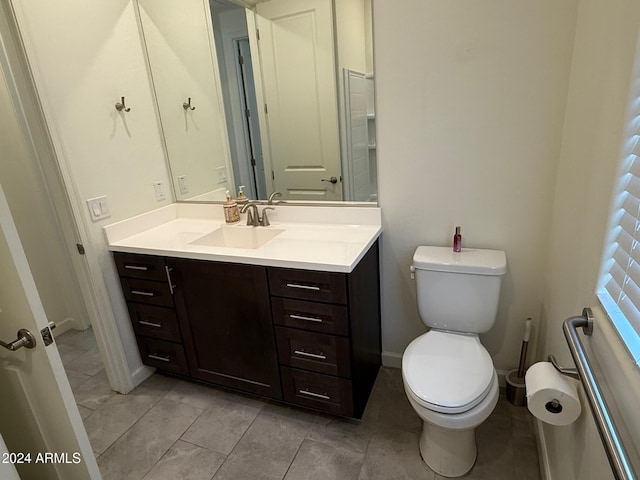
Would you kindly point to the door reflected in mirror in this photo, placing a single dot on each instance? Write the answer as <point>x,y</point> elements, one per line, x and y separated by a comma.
<point>279,98</point>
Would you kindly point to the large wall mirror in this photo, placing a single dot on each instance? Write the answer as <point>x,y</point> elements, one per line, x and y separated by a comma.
<point>278,97</point>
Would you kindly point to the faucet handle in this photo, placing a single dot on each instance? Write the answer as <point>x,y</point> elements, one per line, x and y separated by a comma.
<point>250,220</point>
<point>264,221</point>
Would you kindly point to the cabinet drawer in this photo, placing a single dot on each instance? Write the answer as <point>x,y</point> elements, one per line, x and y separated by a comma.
<point>163,355</point>
<point>313,351</point>
<point>145,291</point>
<point>147,267</point>
<point>319,317</point>
<point>307,285</point>
<point>315,390</point>
<point>156,322</point>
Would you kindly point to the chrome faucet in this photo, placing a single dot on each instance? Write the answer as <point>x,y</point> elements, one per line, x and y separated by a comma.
<point>253,217</point>
<point>271,201</point>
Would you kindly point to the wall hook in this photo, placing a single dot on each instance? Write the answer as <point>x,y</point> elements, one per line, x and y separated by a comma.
<point>122,106</point>
<point>187,105</point>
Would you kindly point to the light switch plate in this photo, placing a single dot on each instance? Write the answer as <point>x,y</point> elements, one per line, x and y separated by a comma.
<point>98,208</point>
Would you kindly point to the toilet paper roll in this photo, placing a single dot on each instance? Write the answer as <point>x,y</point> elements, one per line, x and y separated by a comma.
<point>551,396</point>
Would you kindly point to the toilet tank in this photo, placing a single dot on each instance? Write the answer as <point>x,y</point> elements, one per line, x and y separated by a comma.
<point>458,291</point>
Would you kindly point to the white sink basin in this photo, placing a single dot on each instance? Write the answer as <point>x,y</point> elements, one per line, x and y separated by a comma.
<point>238,237</point>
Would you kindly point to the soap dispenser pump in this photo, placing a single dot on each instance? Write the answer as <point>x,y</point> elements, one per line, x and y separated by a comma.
<point>457,240</point>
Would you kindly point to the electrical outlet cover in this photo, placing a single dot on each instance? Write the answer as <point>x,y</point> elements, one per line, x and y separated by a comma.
<point>159,189</point>
<point>222,174</point>
<point>182,184</point>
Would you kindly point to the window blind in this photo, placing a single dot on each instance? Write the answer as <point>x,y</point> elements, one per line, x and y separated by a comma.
<point>619,290</point>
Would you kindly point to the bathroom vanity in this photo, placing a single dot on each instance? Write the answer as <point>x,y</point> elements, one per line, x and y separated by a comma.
<point>294,318</point>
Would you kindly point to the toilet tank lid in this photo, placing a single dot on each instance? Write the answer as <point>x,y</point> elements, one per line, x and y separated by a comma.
<point>475,261</point>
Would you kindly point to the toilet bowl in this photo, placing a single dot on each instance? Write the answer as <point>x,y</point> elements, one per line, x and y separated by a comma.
<point>448,376</point>
<point>452,396</point>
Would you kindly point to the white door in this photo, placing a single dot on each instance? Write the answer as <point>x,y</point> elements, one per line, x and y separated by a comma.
<point>298,74</point>
<point>39,420</point>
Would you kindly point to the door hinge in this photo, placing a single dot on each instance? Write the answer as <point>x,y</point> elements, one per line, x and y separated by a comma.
<point>273,175</point>
<point>247,112</point>
<point>258,33</point>
<point>80,248</point>
<point>253,162</point>
<point>266,110</point>
<point>240,59</point>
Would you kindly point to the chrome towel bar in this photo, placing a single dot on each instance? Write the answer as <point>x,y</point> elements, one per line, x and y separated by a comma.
<point>620,464</point>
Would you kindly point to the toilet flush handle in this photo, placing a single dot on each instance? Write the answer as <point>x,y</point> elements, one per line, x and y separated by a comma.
<point>412,269</point>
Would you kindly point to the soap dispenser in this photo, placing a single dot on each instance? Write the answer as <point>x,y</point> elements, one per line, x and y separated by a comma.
<point>241,199</point>
<point>231,210</point>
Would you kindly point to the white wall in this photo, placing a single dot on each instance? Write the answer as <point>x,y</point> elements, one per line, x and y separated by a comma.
<point>606,39</point>
<point>350,36</point>
<point>81,69</point>
<point>470,107</point>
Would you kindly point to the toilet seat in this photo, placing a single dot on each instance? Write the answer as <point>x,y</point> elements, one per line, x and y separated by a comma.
<point>447,372</point>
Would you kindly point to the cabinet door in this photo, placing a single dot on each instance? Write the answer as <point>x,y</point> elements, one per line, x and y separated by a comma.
<point>225,319</point>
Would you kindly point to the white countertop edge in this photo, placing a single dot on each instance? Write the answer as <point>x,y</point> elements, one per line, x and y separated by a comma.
<point>248,257</point>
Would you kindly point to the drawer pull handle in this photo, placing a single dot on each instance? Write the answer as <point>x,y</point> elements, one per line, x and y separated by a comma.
<point>158,357</point>
<point>314,395</point>
<point>304,287</point>
<point>150,324</point>
<point>308,319</point>
<point>136,267</point>
<point>171,285</point>
<point>321,356</point>
<point>144,294</point>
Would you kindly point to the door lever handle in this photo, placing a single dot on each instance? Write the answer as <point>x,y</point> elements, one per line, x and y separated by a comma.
<point>333,180</point>
<point>25,339</point>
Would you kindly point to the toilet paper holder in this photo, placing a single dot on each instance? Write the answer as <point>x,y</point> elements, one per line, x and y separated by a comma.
<point>569,372</point>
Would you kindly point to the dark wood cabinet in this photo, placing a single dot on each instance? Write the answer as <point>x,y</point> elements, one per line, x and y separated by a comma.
<point>225,319</point>
<point>328,335</point>
<point>309,338</point>
<point>149,294</point>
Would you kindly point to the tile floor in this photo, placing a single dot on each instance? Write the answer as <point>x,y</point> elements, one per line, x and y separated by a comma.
<point>172,429</point>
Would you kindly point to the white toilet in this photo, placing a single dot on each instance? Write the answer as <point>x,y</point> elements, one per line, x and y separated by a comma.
<point>448,375</point>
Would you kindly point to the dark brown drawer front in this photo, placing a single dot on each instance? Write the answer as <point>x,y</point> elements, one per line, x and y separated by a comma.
<point>313,351</point>
<point>147,267</point>
<point>156,322</point>
<point>307,285</point>
<point>163,355</point>
<point>145,291</point>
<point>315,390</point>
<point>319,317</point>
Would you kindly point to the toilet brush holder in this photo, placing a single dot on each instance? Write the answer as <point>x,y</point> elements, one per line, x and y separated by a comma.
<point>516,389</point>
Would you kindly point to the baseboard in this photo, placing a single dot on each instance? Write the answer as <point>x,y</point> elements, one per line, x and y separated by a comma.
<point>64,326</point>
<point>141,374</point>
<point>543,458</point>
<point>392,359</point>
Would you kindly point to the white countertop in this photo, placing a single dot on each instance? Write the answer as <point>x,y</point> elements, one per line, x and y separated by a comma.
<point>313,238</point>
